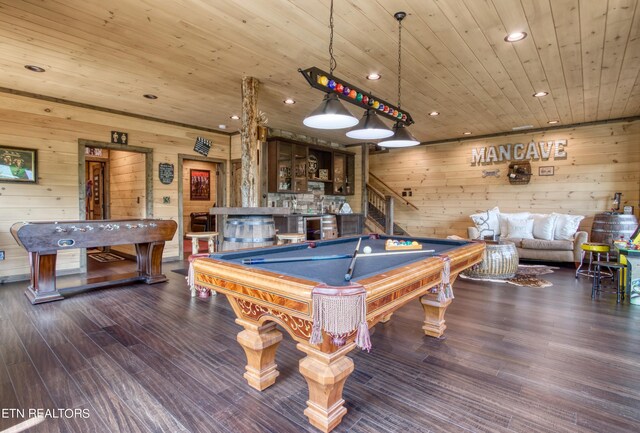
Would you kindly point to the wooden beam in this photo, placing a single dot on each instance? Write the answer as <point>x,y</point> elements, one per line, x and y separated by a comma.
<point>250,184</point>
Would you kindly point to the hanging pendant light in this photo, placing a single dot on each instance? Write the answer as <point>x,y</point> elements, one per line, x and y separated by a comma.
<point>401,135</point>
<point>331,114</point>
<point>370,127</point>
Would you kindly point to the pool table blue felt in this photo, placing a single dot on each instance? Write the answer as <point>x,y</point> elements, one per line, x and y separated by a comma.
<point>331,272</point>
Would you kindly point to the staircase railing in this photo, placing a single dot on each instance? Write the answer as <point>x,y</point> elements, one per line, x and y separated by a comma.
<point>380,210</point>
<point>381,186</point>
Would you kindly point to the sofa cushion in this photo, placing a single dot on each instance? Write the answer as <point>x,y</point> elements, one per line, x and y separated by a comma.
<point>541,244</point>
<point>503,217</point>
<point>520,228</point>
<point>487,220</point>
<point>516,241</point>
<point>566,226</point>
<point>544,226</point>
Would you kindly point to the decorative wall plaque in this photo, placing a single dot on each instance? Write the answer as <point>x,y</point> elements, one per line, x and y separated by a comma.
<point>166,173</point>
<point>119,137</point>
<point>202,146</point>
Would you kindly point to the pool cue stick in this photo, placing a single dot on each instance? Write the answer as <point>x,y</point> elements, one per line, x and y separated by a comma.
<point>352,265</point>
<point>396,253</point>
<point>260,260</point>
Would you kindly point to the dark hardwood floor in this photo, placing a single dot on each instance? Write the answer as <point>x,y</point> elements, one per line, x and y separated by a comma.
<point>145,358</point>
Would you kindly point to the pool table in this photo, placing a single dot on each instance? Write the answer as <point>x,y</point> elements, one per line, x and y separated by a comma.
<point>326,315</point>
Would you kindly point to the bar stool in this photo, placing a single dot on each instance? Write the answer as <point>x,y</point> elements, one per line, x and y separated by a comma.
<point>211,238</point>
<point>592,248</point>
<point>293,238</point>
<point>597,279</point>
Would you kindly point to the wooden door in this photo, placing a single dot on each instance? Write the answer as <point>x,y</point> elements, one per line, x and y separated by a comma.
<point>236,180</point>
<point>95,190</point>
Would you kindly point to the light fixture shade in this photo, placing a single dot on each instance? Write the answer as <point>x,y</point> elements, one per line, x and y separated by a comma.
<point>330,114</point>
<point>401,138</point>
<point>370,127</point>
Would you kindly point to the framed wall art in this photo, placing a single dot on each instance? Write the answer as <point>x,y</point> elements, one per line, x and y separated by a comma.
<point>18,165</point>
<point>200,181</point>
<point>546,171</point>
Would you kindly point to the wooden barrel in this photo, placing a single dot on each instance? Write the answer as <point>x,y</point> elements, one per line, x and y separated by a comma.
<point>248,231</point>
<point>329,227</point>
<point>609,227</point>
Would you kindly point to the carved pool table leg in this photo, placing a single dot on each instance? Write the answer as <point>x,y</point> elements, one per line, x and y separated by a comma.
<point>325,374</point>
<point>260,344</point>
<point>434,324</point>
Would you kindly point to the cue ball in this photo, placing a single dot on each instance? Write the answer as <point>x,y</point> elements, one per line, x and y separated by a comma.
<point>366,250</point>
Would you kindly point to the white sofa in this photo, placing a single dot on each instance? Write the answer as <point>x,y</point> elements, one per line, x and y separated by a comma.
<point>547,237</point>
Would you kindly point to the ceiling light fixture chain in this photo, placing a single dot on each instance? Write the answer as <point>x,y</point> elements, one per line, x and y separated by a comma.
<point>332,60</point>
<point>399,16</point>
<point>401,136</point>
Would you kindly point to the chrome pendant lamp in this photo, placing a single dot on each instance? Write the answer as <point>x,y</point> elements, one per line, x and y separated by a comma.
<point>370,127</point>
<point>331,114</point>
<point>401,135</point>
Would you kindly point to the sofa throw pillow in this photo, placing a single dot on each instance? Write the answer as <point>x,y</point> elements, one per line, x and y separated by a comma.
<point>566,226</point>
<point>544,226</point>
<point>520,228</point>
<point>504,217</point>
<point>482,223</point>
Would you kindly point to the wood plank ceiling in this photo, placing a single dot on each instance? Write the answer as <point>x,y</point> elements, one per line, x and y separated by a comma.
<point>193,53</point>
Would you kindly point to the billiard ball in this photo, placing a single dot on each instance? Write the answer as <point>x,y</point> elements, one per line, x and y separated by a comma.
<point>367,250</point>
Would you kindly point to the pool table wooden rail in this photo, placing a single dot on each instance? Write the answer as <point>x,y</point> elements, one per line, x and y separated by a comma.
<point>292,296</point>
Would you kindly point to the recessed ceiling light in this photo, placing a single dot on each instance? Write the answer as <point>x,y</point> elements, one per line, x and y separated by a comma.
<point>234,117</point>
<point>434,113</point>
<point>34,68</point>
<point>515,37</point>
<point>222,126</point>
<point>553,122</point>
<point>150,96</point>
<point>289,101</point>
<point>374,76</point>
<point>540,94</point>
<point>466,133</point>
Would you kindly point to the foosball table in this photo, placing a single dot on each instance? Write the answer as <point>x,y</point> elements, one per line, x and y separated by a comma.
<point>43,240</point>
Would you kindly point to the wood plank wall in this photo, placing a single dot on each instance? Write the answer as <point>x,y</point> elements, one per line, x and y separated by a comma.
<point>54,129</point>
<point>189,205</point>
<point>601,160</point>
<point>126,189</point>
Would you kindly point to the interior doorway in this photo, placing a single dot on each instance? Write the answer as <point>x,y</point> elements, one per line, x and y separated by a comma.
<point>202,185</point>
<point>115,183</point>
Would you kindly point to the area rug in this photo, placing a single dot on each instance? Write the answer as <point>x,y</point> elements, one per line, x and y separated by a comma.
<point>181,271</point>
<point>526,276</point>
<point>106,257</point>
